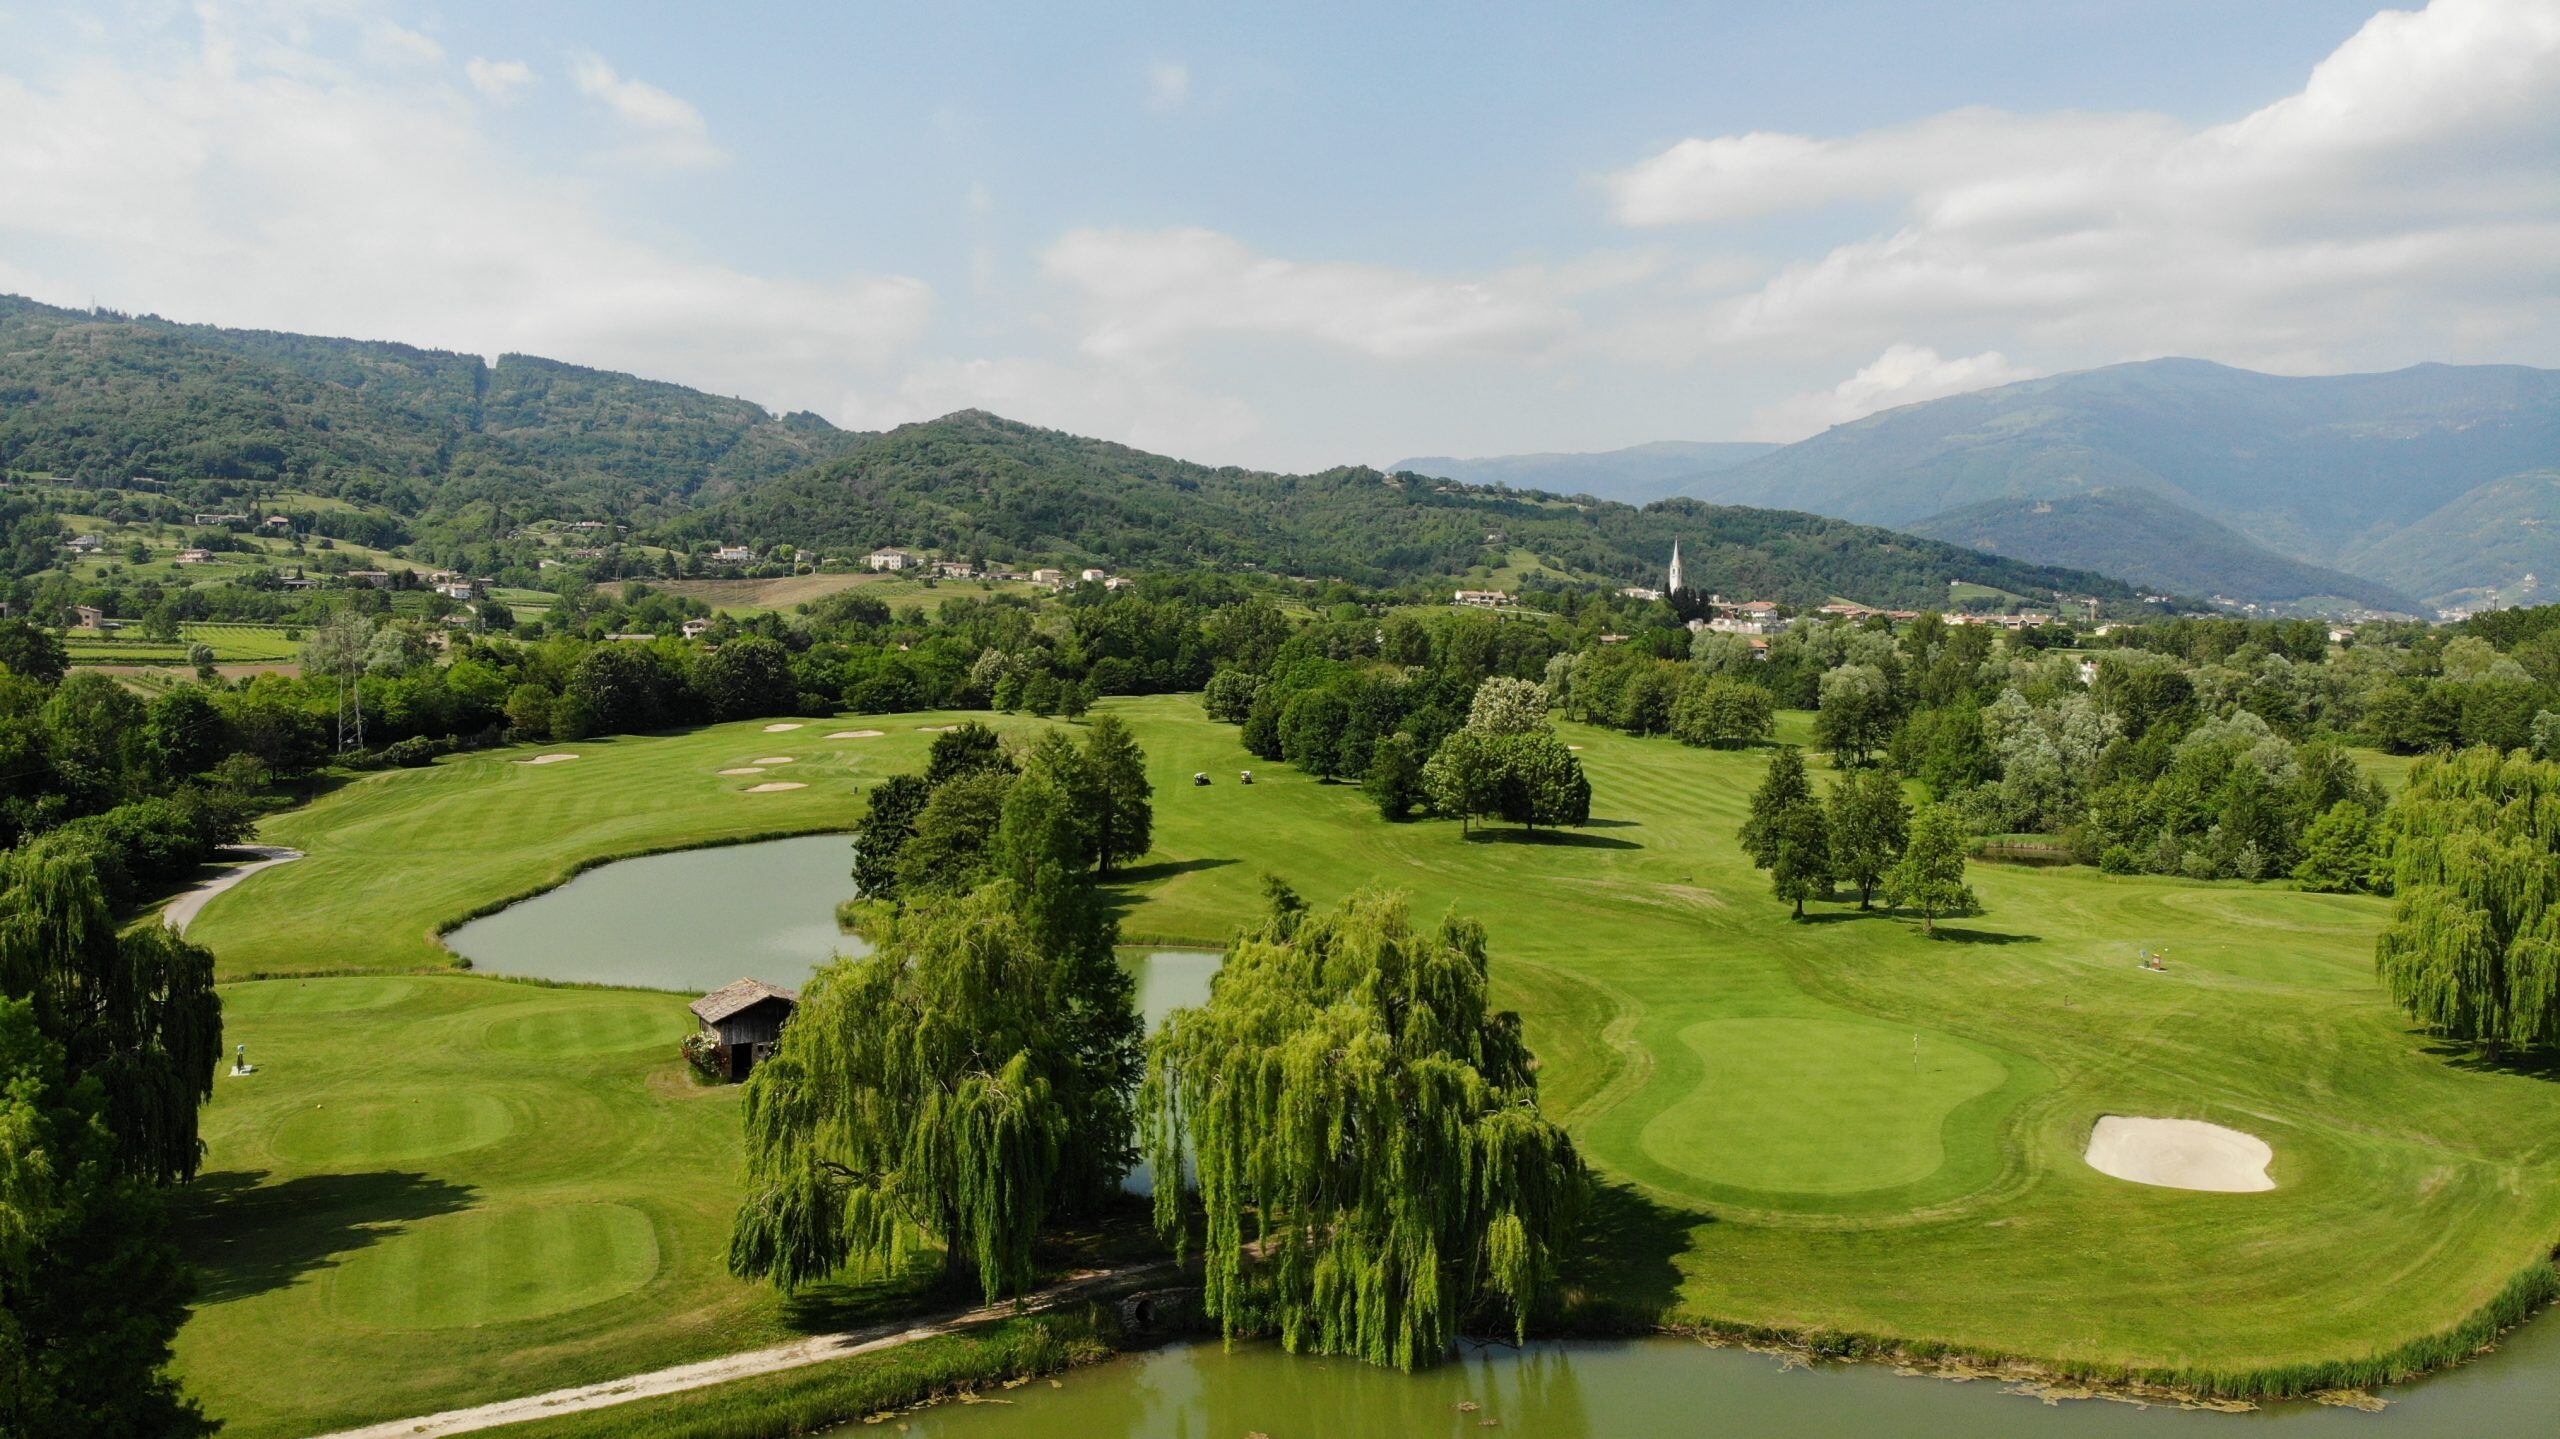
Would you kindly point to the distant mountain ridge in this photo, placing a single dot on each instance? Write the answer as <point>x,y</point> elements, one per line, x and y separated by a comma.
<point>1636,475</point>
<point>2350,472</point>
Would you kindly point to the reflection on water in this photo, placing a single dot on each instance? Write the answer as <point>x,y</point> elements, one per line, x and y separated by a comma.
<point>693,920</point>
<point>1168,979</point>
<point>1637,1389</point>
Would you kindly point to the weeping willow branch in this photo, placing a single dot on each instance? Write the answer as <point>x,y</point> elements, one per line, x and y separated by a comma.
<point>1349,1099</point>
<point>2472,950</point>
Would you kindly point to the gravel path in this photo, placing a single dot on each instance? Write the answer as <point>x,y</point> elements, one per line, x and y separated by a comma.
<point>797,1354</point>
<point>183,910</point>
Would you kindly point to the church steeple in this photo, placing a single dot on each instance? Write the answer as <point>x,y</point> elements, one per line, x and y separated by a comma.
<point>1673,586</point>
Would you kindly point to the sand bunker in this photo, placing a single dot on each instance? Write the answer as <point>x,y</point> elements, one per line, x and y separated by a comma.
<point>785,725</point>
<point>775,759</point>
<point>857,734</point>
<point>937,728</point>
<point>547,759</point>
<point>745,769</point>
<point>2180,1154</point>
<point>770,786</point>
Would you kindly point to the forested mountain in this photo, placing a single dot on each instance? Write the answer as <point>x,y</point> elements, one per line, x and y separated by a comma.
<point>1636,475</point>
<point>974,483</point>
<point>103,398</point>
<point>2347,471</point>
<point>2145,538</point>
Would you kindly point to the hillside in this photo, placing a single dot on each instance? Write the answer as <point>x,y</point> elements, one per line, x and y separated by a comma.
<point>2146,538</point>
<point>1637,475</point>
<point>2326,470</point>
<point>102,398</point>
<point>974,483</point>
<point>2498,544</point>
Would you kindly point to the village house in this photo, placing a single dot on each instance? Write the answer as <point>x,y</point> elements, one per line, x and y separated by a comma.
<point>1483,599</point>
<point>741,1023</point>
<point>733,555</point>
<point>892,559</point>
<point>954,569</point>
<point>195,557</point>
<point>89,617</point>
<point>1641,592</point>
<point>84,544</point>
<point>216,521</point>
<point>1119,582</point>
<point>695,629</point>
<point>298,582</point>
<point>1048,577</point>
<point>379,579</point>
<point>1090,575</point>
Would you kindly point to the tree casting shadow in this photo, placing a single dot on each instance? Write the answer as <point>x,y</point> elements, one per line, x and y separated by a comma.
<point>247,1237</point>
<point>1165,869</point>
<point>1622,1275</point>
<point>2541,1064</point>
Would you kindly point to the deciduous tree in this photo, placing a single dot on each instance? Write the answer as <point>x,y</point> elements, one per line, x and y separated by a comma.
<point>1930,875</point>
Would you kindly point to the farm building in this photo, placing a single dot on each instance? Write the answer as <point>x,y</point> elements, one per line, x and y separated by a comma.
<point>741,1023</point>
<point>892,559</point>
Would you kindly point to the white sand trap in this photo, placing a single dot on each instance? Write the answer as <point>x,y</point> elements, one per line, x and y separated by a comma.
<point>745,769</point>
<point>772,785</point>
<point>785,725</point>
<point>548,759</point>
<point>774,759</point>
<point>857,734</point>
<point>2180,1154</point>
<point>937,728</point>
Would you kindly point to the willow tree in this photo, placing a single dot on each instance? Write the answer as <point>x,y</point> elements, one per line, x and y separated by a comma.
<point>1366,1136</point>
<point>2472,949</point>
<point>920,1093</point>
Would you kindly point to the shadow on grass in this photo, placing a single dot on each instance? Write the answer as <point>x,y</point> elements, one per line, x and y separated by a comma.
<point>1559,838</point>
<point>1622,1275</point>
<point>2522,1063</point>
<point>246,1236</point>
<point>1165,869</point>
<point>1954,935</point>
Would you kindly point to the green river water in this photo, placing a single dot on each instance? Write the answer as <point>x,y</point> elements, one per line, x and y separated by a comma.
<point>698,919</point>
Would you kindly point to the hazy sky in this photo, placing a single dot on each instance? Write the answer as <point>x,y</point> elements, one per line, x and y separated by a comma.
<point>1319,233</point>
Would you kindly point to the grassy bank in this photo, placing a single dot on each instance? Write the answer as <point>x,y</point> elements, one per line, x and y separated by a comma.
<point>843,1390</point>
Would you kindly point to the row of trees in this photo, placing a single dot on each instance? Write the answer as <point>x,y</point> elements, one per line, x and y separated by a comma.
<point>1863,834</point>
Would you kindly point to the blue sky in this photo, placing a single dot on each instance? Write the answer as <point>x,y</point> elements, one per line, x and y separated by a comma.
<point>1311,234</point>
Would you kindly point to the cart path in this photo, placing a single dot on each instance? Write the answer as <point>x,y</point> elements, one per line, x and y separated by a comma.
<point>183,910</point>
<point>797,1354</point>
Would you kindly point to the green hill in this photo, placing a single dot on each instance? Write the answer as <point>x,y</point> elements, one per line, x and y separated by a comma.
<point>2152,541</point>
<point>103,398</point>
<point>974,483</point>
<point>2498,544</point>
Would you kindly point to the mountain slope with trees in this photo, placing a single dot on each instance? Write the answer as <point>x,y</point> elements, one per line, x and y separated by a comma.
<point>102,398</point>
<point>2321,469</point>
<point>977,484</point>
<point>2150,540</point>
<point>1636,475</point>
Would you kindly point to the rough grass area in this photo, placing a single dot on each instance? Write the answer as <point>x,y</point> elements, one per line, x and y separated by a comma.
<point>1834,1127</point>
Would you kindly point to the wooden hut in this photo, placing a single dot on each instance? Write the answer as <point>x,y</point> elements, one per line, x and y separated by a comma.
<point>741,1023</point>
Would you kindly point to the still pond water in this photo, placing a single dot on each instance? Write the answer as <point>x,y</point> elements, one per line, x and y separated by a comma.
<point>700,918</point>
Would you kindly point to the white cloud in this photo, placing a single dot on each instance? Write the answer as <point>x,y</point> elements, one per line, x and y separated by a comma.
<point>1902,375</point>
<point>1147,292</point>
<point>2400,205</point>
<point>1168,85</point>
<point>662,128</point>
<point>497,79</point>
<point>387,42</point>
<point>247,178</point>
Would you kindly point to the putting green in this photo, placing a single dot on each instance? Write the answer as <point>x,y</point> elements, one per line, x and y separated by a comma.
<point>493,1266</point>
<point>622,1022</point>
<point>344,1131</point>
<point>1817,1106</point>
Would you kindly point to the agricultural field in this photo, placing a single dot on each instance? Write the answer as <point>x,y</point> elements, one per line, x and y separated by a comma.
<point>1834,1124</point>
<point>244,644</point>
<point>900,591</point>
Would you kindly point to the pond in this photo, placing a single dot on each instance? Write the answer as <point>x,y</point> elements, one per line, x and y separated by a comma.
<point>692,920</point>
<point>1668,1387</point>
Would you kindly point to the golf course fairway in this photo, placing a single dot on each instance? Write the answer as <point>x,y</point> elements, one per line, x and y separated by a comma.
<point>443,1188</point>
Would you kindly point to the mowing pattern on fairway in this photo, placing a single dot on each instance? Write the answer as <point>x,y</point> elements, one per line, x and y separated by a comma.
<point>350,1133</point>
<point>494,1266</point>
<point>1858,1105</point>
<point>1751,1077</point>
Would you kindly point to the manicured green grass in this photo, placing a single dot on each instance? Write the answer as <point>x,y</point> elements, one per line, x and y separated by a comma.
<point>1752,1078</point>
<point>232,644</point>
